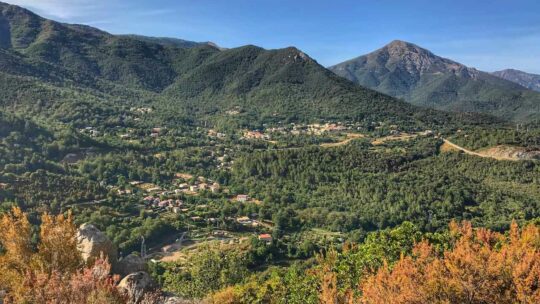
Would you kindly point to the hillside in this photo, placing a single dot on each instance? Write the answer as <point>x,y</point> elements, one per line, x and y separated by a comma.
<point>530,81</point>
<point>63,66</point>
<point>168,41</point>
<point>407,71</point>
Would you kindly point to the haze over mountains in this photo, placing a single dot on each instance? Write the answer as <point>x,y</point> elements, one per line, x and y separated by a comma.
<point>407,71</point>
<point>530,81</point>
<point>72,72</point>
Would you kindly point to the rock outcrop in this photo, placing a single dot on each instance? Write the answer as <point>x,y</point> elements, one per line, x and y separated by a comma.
<point>130,264</point>
<point>135,285</point>
<point>92,243</point>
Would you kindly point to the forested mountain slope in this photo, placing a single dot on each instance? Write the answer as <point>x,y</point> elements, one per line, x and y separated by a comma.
<point>62,66</point>
<point>407,71</point>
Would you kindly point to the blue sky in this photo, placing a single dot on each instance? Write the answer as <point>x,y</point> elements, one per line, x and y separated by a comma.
<point>486,34</point>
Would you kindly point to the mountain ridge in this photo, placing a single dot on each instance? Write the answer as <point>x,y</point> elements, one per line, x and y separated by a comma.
<point>405,70</point>
<point>528,80</point>
<point>95,72</point>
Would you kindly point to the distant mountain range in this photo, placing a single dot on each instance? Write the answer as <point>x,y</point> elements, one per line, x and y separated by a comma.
<point>530,81</point>
<point>81,75</point>
<point>405,70</point>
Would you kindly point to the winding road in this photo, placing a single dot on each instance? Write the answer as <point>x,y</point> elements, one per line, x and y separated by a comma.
<point>467,151</point>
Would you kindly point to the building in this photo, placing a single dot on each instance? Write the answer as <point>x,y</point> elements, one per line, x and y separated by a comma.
<point>242,198</point>
<point>244,220</point>
<point>265,237</point>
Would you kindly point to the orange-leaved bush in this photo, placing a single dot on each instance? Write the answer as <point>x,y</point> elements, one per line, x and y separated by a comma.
<point>482,267</point>
<point>52,271</point>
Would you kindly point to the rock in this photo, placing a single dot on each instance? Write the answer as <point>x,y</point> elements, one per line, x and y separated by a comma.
<point>130,264</point>
<point>92,243</point>
<point>176,300</point>
<point>135,285</point>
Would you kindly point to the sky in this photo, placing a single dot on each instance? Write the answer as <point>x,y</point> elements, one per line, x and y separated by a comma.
<point>487,34</point>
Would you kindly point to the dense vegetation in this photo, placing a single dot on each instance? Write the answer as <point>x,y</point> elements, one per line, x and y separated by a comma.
<point>461,265</point>
<point>84,76</point>
<point>92,122</point>
<point>362,188</point>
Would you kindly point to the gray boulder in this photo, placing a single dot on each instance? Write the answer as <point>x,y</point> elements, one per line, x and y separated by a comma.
<point>135,285</point>
<point>92,243</point>
<point>130,264</point>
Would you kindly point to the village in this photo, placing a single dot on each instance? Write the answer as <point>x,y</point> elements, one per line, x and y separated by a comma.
<point>194,200</point>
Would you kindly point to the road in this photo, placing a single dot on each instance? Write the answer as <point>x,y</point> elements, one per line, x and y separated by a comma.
<point>467,151</point>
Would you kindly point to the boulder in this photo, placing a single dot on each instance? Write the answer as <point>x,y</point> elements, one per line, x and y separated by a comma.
<point>135,285</point>
<point>92,243</point>
<point>130,264</point>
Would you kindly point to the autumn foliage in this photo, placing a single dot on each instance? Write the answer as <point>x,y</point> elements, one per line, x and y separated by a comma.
<point>51,271</point>
<point>482,267</point>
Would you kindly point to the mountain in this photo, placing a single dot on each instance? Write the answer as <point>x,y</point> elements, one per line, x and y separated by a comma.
<point>530,81</point>
<point>81,75</point>
<point>167,41</point>
<point>407,71</point>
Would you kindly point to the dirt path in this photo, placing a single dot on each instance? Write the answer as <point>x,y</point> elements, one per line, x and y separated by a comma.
<point>450,145</point>
<point>350,137</point>
<point>403,137</point>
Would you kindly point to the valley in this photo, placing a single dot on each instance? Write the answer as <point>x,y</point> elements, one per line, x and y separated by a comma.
<point>210,174</point>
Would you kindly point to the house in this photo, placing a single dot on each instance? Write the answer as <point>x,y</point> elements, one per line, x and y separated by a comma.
<point>256,135</point>
<point>176,210</point>
<point>242,198</point>
<point>123,192</point>
<point>183,175</point>
<point>193,188</point>
<point>244,220</point>
<point>265,237</point>
<point>153,189</point>
<point>196,218</point>
<point>135,183</point>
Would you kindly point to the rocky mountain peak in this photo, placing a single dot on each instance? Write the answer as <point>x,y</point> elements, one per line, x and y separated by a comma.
<point>417,61</point>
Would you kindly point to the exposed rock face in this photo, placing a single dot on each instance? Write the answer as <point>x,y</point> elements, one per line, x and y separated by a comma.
<point>93,243</point>
<point>130,264</point>
<point>135,285</point>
